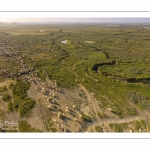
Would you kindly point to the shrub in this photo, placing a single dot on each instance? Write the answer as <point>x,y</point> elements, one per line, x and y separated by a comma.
<point>86,117</point>
<point>3,89</point>
<point>137,125</point>
<point>20,89</point>
<point>50,125</point>
<point>116,127</point>
<point>99,115</point>
<point>143,124</point>
<point>26,107</point>
<point>131,111</point>
<point>24,126</point>
<point>104,115</point>
<point>136,97</point>
<point>6,97</point>
<point>117,110</point>
<point>98,129</point>
<point>10,106</point>
<point>11,85</point>
<point>17,102</point>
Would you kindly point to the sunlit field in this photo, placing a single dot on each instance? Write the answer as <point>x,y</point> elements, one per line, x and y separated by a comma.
<point>75,77</point>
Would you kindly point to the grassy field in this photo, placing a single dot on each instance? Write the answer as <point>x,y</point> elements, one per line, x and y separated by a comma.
<point>115,66</point>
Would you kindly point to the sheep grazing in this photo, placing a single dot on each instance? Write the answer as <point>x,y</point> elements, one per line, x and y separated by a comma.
<point>58,125</point>
<point>50,98</point>
<point>55,106</point>
<point>53,101</point>
<point>73,106</point>
<point>75,119</point>
<point>43,90</point>
<point>59,114</point>
<point>62,126</point>
<point>58,89</point>
<point>64,114</point>
<point>53,94</point>
<point>49,106</point>
<point>45,97</point>
<point>80,116</point>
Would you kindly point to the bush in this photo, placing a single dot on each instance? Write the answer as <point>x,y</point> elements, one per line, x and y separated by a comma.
<point>50,126</point>
<point>131,111</point>
<point>3,89</point>
<point>6,97</point>
<point>86,117</point>
<point>137,125</point>
<point>105,115</point>
<point>10,106</point>
<point>116,127</point>
<point>98,129</point>
<point>99,115</point>
<point>117,110</point>
<point>24,126</point>
<point>26,107</point>
<point>20,88</point>
<point>143,124</point>
<point>136,97</point>
<point>17,102</point>
<point>11,85</point>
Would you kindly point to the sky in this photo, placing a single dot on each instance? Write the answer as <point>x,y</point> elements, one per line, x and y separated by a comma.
<point>90,20</point>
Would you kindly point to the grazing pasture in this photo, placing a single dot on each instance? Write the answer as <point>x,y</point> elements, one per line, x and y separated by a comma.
<point>75,77</point>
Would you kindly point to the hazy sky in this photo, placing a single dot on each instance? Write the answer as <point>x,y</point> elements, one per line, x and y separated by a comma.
<point>101,20</point>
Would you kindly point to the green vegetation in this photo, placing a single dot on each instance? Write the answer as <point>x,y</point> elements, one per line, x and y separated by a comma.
<point>2,79</point>
<point>114,66</point>
<point>26,107</point>
<point>137,125</point>
<point>110,43</point>
<point>10,107</point>
<point>143,124</point>
<point>99,115</point>
<point>17,102</point>
<point>24,126</point>
<point>131,111</point>
<point>125,126</point>
<point>105,115</point>
<point>86,117</point>
<point>6,97</point>
<point>11,85</point>
<point>20,89</point>
<point>3,89</point>
<point>117,110</point>
<point>98,129</point>
<point>77,103</point>
<point>102,115</point>
<point>50,125</point>
<point>116,127</point>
